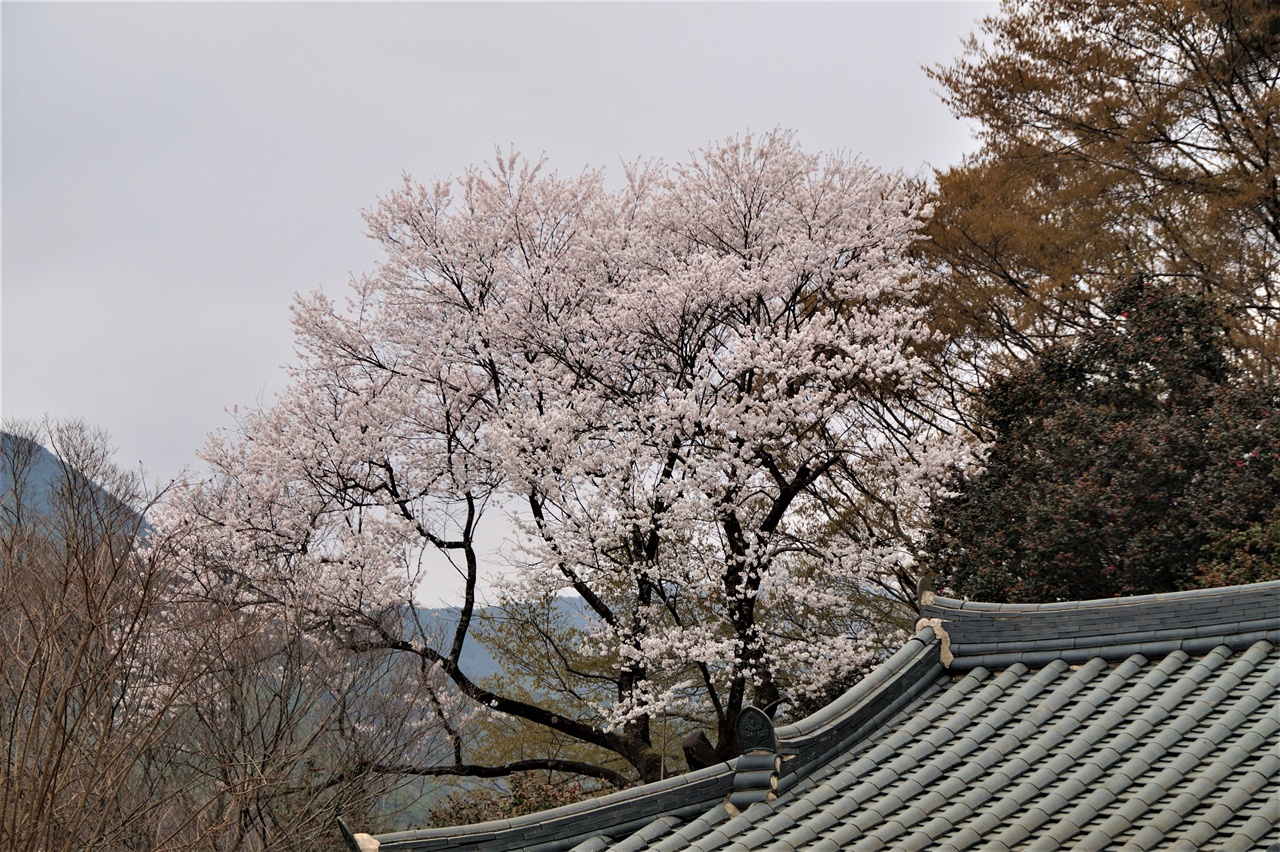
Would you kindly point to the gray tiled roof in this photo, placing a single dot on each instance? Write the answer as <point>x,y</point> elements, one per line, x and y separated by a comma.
<point>1129,724</point>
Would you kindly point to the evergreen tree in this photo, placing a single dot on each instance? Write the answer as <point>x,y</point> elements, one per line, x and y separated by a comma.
<point>1139,459</point>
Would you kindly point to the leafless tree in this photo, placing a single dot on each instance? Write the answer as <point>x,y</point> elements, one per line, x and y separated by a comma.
<point>138,711</point>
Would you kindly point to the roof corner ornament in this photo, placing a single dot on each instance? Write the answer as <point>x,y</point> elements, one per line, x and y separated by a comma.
<point>357,842</point>
<point>941,632</point>
<point>698,751</point>
<point>755,731</point>
<point>755,777</point>
<point>925,590</point>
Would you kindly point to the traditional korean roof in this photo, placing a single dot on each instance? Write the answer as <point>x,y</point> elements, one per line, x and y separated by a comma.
<point>1130,723</point>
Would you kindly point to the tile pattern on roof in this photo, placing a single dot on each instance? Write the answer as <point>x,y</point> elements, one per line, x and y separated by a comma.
<point>1133,724</point>
<point>1092,757</point>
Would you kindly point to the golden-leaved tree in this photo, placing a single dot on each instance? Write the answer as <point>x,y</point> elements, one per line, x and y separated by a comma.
<point>1119,139</point>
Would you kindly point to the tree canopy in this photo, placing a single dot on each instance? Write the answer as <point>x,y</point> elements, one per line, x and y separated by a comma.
<point>1138,459</point>
<point>1118,139</point>
<point>675,382</point>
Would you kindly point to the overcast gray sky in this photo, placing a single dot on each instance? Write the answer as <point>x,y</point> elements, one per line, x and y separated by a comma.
<point>174,173</point>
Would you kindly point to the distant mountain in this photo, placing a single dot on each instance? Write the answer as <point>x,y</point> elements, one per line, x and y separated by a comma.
<point>39,469</point>
<point>476,661</point>
<point>41,475</point>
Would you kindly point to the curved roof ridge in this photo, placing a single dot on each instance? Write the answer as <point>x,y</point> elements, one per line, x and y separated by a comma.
<point>1249,589</point>
<point>833,713</point>
<point>997,635</point>
<point>869,703</point>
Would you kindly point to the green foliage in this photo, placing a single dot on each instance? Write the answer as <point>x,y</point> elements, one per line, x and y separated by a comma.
<point>1139,459</point>
<point>540,646</point>
<point>524,793</point>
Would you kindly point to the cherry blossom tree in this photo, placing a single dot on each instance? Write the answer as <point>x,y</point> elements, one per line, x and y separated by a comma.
<point>696,396</point>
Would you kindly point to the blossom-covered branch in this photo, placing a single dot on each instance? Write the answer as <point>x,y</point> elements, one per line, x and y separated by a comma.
<point>679,388</point>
